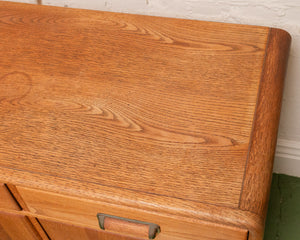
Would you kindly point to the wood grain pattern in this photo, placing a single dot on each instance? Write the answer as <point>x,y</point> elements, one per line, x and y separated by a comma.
<point>63,231</point>
<point>127,201</point>
<point>84,212</point>
<point>15,194</point>
<point>126,228</point>
<point>141,97</point>
<point>22,206</point>
<point>6,199</point>
<point>10,199</point>
<point>258,174</point>
<point>16,227</point>
<point>169,120</point>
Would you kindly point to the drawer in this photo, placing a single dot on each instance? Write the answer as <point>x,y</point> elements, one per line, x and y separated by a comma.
<point>84,212</point>
<point>63,231</point>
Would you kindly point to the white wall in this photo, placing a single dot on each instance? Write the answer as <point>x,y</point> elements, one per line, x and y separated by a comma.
<point>277,13</point>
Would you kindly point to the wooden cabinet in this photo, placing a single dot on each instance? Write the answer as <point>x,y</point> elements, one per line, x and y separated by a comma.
<point>152,121</point>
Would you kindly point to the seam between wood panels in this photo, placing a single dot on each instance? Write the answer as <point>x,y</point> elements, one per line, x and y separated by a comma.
<point>42,227</point>
<point>33,228</point>
<point>13,196</point>
<point>255,114</point>
<point>23,207</point>
<point>16,195</point>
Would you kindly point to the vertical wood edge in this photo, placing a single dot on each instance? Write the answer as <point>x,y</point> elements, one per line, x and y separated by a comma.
<point>258,172</point>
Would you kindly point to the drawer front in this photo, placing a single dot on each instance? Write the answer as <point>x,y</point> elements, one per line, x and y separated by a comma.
<point>84,212</point>
<point>62,231</point>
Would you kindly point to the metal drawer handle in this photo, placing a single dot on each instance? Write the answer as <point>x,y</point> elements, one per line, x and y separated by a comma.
<point>128,226</point>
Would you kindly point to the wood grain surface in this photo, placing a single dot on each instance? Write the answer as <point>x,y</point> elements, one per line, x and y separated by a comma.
<point>16,227</point>
<point>6,199</point>
<point>258,174</point>
<point>126,228</point>
<point>170,115</point>
<point>63,231</point>
<point>80,211</point>
<point>23,206</point>
<point>155,105</point>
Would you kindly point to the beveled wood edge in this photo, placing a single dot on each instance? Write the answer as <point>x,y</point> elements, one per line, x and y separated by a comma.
<point>258,170</point>
<point>161,205</point>
<point>29,214</point>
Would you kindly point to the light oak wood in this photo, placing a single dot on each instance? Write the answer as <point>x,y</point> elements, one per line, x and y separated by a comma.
<point>136,96</point>
<point>10,199</point>
<point>125,227</point>
<point>257,183</point>
<point>6,199</point>
<point>14,194</point>
<point>63,231</point>
<point>16,227</point>
<point>79,227</point>
<point>22,206</point>
<point>168,206</point>
<point>174,117</point>
<point>84,212</point>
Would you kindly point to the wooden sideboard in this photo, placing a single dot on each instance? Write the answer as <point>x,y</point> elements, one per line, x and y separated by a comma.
<point>119,127</point>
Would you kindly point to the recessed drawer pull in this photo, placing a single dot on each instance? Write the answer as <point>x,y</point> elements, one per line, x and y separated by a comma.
<point>128,226</point>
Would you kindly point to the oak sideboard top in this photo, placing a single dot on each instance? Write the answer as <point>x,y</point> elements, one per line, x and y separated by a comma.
<point>155,113</point>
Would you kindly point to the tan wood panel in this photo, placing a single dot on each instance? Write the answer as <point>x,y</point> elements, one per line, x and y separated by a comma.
<point>10,200</point>
<point>126,199</point>
<point>257,183</point>
<point>6,199</point>
<point>16,227</point>
<point>22,205</point>
<point>156,105</point>
<point>126,227</point>
<point>258,172</point>
<point>63,231</point>
<point>84,212</point>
